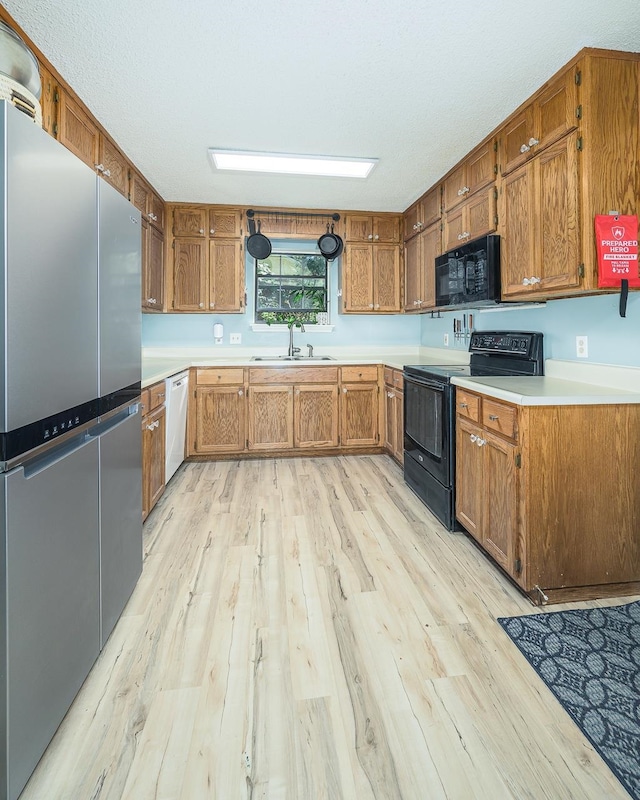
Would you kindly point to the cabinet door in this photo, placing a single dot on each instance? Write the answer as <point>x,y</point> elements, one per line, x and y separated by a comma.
<point>189,274</point>
<point>225,223</point>
<point>139,191</point>
<point>48,102</point>
<point>398,449</point>
<point>480,211</point>
<point>114,166</point>
<point>76,131</point>
<point>500,495</point>
<point>469,477</point>
<point>411,221</point>
<point>454,228</point>
<point>412,275</point>
<point>220,419</point>
<point>270,412</point>
<point>390,420</point>
<point>386,230</point>
<point>156,211</point>
<point>514,140</point>
<point>555,111</point>
<point>454,188</point>
<point>226,275</point>
<point>357,279</point>
<point>430,247</point>
<point>359,228</point>
<point>558,216</point>
<point>153,452</point>
<point>518,251</point>
<point>190,222</point>
<point>153,274</point>
<point>315,412</point>
<point>386,278</point>
<point>359,415</point>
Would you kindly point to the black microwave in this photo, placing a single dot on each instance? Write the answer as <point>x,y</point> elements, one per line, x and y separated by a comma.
<point>469,276</point>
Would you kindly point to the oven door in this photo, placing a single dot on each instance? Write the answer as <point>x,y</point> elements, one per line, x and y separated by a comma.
<point>427,421</point>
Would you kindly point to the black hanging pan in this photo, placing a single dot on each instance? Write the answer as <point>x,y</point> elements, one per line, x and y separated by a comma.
<point>258,245</point>
<point>330,244</point>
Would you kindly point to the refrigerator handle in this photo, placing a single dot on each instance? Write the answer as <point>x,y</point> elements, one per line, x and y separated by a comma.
<point>114,422</point>
<point>39,464</point>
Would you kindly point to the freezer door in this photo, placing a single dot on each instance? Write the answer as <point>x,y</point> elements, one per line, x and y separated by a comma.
<point>120,316</point>
<point>120,440</point>
<point>51,590</point>
<point>49,256</point>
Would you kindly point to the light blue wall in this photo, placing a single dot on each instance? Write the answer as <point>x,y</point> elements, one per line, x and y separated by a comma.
<point>196,330</point>
<point>611,338</point>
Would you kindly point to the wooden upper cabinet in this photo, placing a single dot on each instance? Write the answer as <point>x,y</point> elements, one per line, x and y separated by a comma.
<point>153,272</point>
<point>226,275</point>
<point>225,223</point>
<point>146,200</point>
<point>76,131</point>
<point>155,211</point>
<point>423,213</point>
<point>112,165</point>
<point>471,219</point>
<point>49,101</point>
<point>551,114</point>
<point>190,221</point>
<point>386,278</point>
<point>373,229</point>
<point>420,269</point>
<point>474,173</point>
<point>190,265</point>
<point>358,278</point>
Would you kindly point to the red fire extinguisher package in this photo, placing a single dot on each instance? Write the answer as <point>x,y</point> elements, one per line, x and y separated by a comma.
<point>617,248</point>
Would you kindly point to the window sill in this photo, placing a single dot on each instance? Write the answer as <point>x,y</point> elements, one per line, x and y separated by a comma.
<point>262,327</point>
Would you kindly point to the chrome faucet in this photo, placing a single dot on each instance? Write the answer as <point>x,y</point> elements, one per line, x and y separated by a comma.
<point>293,350</point>
<point>310,346</point>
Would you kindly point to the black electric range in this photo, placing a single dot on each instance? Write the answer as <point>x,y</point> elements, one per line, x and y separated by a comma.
<point>429,411</point>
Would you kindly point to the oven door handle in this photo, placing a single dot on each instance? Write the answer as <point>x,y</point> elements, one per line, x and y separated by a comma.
<point>431,384</point>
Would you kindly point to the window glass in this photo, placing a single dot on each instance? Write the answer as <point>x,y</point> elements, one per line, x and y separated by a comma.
<point>290,285</point>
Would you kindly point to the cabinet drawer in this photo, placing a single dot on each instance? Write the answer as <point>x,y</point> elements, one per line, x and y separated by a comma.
<point>499,417</point>
<point>398,380</point>
<point>293,375</point>
<point>219,376</point>
<point>364,373</point>
<point>144,402</point>
<point>468,405</point>
<point>156,396</point>
<point>388,375</point>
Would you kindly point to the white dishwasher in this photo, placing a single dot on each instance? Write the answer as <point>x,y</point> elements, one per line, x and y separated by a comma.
<point>176,388</point>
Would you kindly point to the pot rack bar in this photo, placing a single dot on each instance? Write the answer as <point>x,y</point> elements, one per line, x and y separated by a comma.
<point>251,214</point>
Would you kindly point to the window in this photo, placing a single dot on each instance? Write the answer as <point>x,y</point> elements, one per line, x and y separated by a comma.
<point>291,284</point>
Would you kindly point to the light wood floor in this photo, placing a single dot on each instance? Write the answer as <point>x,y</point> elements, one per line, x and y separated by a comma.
<point>304,629</point>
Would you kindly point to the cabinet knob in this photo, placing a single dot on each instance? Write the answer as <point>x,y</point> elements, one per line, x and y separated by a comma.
<point>415,227</point>
<point>493,417</point>
<point>377,305</point>
<point>153,217</point>
<point>421,224</point>
<point>530,281</point>
<point>212,231</point>
<point>370,305</point>
<point>524,148</point>
<point>212,305</point>
<point>107,173</point>
<point>463,191</point>
<point>370,236</point>
<point>473,437</point>
<point>344,391</point>
<point>240,392</point>
<point>99,167</point>
<point>151,300</point>
<point>463,405</point>
<point>390,395</point>
<point>201,230</point>
<point>376,236</point>
<point>297,392</point>
<point>463,235</point>
<point>201,305</point>
<point>533,142</point>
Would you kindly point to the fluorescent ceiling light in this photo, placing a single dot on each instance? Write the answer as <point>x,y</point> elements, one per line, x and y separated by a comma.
<point>284,163</point>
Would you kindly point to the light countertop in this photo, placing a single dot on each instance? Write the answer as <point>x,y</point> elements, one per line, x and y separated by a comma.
<point>159,364</point>
<point>547,391</point>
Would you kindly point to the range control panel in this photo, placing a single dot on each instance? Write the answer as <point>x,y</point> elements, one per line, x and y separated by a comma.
<point>517,343</point>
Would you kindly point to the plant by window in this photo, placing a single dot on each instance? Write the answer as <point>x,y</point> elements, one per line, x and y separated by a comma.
<point>291,288</point>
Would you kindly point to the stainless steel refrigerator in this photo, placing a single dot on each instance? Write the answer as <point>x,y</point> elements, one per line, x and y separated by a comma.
<point>63,320</point>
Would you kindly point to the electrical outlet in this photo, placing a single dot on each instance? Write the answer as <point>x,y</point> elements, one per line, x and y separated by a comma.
<point>235,338</point>
<point>446,340</point>
<point>582,346</point>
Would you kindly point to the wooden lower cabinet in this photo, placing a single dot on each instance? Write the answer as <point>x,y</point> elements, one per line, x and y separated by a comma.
<point>153,447</point>
<point>394,413</point>
<point>220,419</point>
<point>550,493</point>
<point>315,416</point>
<point>270,411</point>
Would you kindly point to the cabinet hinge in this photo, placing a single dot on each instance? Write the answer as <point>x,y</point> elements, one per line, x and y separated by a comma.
<point>495,146</point>
<point>495,169</point>
<point>495,194</point>
<point>173,304</point>
<point>578,78</point>
<point>579,112</point>
<point>581,270</point>
<point>518,566</point>
<point>579,143</point>
<point>246,445</point>
<point>55,128</point>
<point>518,460</point>
<point>495,220</point>
<point>56,96</point>
<point>173,245</point>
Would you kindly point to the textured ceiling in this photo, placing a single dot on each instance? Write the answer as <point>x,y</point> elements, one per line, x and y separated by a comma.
<point>415,84</point>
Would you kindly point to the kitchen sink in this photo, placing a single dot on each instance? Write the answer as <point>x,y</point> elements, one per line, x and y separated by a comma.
<point>292,358</point>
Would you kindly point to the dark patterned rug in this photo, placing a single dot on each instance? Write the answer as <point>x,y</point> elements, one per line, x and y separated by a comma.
<point>590,659</point>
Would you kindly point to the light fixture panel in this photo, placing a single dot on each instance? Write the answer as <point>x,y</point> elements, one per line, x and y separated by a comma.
<point>289,164</point>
